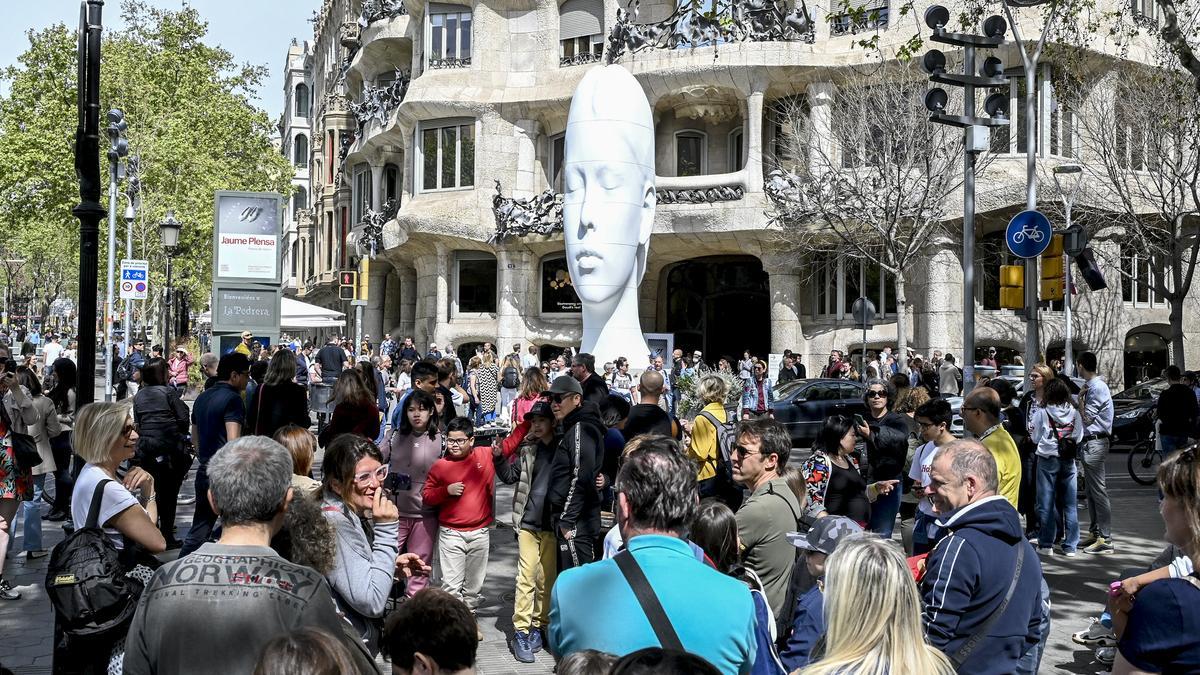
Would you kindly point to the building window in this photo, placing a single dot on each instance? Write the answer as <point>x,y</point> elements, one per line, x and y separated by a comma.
<point>446,155</point>
<point>790,122</point>
<point>1063,141</point>
<point>558,293</point>
<point>302,100</point>
<point>854,16</point>
<point>391,183</point>
<point>361,193</point>
<point>580,32</point>
<point>475,284</point>
<point>1137,278</point>
<point>299,200</point>
<point>449,40</point>
<point>300,152</point>
<point>1145,10</point>
<point>558,154</point>
<point>690,153</point>
<point>838,281</point>
<point>295,256</point>
<point>736,149</point>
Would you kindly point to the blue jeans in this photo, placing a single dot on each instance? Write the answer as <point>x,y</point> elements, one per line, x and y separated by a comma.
<point>203,519</point>
<point>1171,444</point>
<point>1055,497</point>
<point>31,512</point>
<point>883,513</point>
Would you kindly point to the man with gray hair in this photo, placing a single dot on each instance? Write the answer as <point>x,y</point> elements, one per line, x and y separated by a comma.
<point>658,591</point>
<point>983,584</point>
<point>214,610</point>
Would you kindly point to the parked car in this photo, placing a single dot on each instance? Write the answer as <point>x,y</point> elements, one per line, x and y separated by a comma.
<point>1133,410</point>
<point>803,405</point>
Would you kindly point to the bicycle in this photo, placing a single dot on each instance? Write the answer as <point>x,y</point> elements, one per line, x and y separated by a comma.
<point>1035,235</point>
<point>1143,460</point>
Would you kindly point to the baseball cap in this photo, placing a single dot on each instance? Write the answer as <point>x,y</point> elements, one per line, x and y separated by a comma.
<point>565,384</point>
<point>540,408</point>
<point>826,534</point>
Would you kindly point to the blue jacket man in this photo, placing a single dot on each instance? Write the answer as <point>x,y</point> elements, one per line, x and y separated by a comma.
<point>970,571</point>
<point>594,606</point>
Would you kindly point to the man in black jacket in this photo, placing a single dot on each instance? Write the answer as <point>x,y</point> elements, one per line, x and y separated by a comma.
<point>583,368</point>
<point>574,499</point>
<point>1176,412</point>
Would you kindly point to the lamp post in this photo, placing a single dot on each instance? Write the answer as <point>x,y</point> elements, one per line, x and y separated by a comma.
<point>168,231</point>
<point>1073,175</point>
<point>129,215</point>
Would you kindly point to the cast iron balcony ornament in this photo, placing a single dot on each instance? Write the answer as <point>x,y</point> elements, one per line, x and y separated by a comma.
<point>540,214</point>
<point>371,239</point>
<point>376,10</point>
<point>379,102</point>
<point>691,25</point>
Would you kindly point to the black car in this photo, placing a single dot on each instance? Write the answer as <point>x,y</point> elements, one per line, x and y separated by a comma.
<point>803,405</point>
<point>1133,410</point>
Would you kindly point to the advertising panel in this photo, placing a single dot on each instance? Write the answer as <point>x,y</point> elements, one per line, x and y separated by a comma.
<point>246,237</point>
<point>239,308</point>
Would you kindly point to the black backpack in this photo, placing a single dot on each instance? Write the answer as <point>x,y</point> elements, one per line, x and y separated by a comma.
<point>86,582</point>
<point>511,378</point>
<point>722,485</point>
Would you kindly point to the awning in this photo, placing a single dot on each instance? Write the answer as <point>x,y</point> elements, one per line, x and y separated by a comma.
<point>299,315</point>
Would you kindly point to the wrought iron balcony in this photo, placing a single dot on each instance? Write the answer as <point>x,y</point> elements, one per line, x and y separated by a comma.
<point>578,59</point>
<point>379,102</point>
<point>449,62</point>
<point>370,240</point>
<point>695,24</point>
<point>723,193</point>
<point>376,10</point>
<point>540,214</point>
<point>859,21</point>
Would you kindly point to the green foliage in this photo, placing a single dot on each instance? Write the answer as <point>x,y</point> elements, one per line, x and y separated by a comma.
<point>191,123</point>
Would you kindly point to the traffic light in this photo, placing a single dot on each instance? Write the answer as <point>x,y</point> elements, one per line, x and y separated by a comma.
<point>119,145</point>
<point>348,285</point>
<point>1054,278</point>
<point>1012,287</point>
<point>990,76</point>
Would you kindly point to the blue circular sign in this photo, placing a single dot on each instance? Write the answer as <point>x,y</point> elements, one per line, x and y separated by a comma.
<point>1028,234</point>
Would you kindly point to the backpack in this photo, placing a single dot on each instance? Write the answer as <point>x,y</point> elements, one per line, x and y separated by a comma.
<point>766,656</point>
<point>722,484</point>
<point>1068,448</point>
<point>124,371</point>
<point>511,378</point>
<point>86,582</point>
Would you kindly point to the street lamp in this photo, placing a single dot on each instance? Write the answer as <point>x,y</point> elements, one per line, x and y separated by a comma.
<point>1072,175</point>
<point>168,233</point>
<point>129,216</point>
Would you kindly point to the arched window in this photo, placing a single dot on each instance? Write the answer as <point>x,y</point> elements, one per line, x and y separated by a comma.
<point>736,147</point>
<point>300,152</point>
<point>691,153</point>
<point>302,100</point>
<point>299,200</point>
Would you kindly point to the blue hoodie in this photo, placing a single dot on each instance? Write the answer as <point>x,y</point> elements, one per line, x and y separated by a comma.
<point>967,575</point>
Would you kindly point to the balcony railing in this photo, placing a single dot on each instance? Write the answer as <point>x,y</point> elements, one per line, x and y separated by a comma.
<point>540,214</point>
<point>379,102</point>
<point>449,62</point>
<point>706,189</point>
<point>578,59</point>
<point>370,241</point>
<point>860,21</point>
<point>376,10</point>
<point>694,24</point>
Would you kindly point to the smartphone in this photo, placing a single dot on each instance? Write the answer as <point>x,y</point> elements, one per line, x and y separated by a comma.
<point>859,421</point>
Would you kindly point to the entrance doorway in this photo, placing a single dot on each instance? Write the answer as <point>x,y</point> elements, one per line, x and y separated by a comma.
<point>719,305</point>
<point>1146,353</point>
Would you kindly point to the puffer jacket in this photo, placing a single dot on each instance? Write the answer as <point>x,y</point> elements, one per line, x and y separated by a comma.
<point>527,469</point>
<point>577,460</point>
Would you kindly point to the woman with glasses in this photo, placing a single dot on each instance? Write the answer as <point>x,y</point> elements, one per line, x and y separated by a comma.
<point>162,420</point>
<point>886,436</point>
<point>365,522</point>
<point>836,487</point>
<point>1032,401</point>
<point>410,450</point>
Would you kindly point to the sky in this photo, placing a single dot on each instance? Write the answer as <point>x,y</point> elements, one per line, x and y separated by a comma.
<point>254,31</point>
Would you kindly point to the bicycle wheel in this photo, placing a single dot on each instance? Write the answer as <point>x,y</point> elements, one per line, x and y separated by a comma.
<point>1143,461</point>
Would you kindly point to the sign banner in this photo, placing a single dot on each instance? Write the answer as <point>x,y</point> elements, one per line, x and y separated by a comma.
<point>135,279</point>
<point>246,237</point>
<point>239,308</point>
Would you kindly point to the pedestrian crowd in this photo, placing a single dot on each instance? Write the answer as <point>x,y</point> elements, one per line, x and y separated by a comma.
<point>346,503</point>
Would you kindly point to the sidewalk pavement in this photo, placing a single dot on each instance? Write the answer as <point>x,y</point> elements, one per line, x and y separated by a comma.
<point>1078,586</point>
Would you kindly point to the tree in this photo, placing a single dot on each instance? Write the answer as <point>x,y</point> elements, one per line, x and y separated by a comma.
<point>191,123</point>
<point>1140,129</point>
<point>871,180</point>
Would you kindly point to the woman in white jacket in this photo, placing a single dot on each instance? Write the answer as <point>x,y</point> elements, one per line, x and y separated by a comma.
<point>44,428</point>
<point>1057,428</point>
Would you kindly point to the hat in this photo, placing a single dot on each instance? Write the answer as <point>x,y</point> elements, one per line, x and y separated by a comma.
<point>825,535</point>
<point>181,350</point>
<point>565,384</point>
<point>540,408</point>
<point>247,333</point>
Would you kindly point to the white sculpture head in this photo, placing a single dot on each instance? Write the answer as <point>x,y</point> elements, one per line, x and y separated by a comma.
<point>608,182</point>
<point>608,207</point>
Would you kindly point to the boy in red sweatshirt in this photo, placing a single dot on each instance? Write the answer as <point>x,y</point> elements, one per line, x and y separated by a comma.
<point>461,486</point>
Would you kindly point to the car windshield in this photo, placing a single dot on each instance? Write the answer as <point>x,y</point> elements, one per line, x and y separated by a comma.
<point>1148,390</point>
<point>788,388</point>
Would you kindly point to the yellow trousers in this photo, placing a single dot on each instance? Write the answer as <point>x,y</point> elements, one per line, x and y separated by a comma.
<point>537,566</point>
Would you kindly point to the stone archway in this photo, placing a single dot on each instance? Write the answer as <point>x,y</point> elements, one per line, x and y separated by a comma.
<point>1147,351</point>
<point>718,304</point>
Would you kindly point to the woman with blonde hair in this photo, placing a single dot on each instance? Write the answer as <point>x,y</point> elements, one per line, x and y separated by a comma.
<point>302,446</point>
<point>704,446</point>
<point>873,615</point>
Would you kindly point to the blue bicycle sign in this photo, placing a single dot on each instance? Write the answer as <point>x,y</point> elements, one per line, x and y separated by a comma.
<point>1028,234</point>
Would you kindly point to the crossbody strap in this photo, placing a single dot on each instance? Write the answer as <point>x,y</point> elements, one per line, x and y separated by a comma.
<point>93,517</point>
<point>667,637</point>
<point>972,642</point>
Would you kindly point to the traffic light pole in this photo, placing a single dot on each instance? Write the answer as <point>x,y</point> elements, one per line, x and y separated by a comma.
<point>90,210</point>
<point>968,257</point>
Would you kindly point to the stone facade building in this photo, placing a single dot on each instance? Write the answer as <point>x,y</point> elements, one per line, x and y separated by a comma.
<point>431,115</point>
<point>295,134</point>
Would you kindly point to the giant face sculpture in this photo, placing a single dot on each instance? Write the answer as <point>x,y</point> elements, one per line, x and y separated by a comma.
<point>608,207</point>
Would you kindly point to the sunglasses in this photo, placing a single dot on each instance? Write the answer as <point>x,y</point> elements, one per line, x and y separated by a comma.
<point>129,428</point>
<point>743,452</point>
<point>967,407</point>
<point>875,393</point>
<point>364,478</point>
<point>558,398</point>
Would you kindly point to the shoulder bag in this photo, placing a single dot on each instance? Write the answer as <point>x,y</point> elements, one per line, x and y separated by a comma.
<point>964,652</point>
<point>663,630</point>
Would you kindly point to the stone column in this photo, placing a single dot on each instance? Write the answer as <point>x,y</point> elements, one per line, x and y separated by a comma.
<point>821,145</point>
<point>784,282</point>
<point>377,300</point>
<point>752,128</point>
<point>391,302</point>
<point>408,300</point>
<point>526,132</point>
<point>516,268</point>
<point>377,187</point>
<point>936,301</point>
<point>441,310</point>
